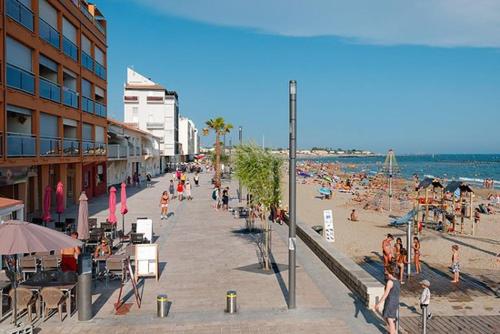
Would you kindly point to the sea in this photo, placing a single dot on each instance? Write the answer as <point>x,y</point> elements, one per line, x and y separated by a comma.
<point>471,168</point>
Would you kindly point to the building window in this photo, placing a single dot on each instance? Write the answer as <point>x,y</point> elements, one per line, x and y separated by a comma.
<point>48,89</point>
<point>154,99</point>
<point>100,71</point>
<point>87,60</point>
<point>69,87</point>
<point>69,40</point>
<point>49,138</point>
<point>131,99</point>
<point>20,11</point>
<point>20,140</point>
<point>87,142</point>
<point>48,23</point>
<point>100,108</point>
<point>19,66</point>
<point>87,101</point>
<point>100,143</point>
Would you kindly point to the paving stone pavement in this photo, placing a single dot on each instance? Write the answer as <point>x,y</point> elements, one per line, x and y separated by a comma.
<point>204,253</point>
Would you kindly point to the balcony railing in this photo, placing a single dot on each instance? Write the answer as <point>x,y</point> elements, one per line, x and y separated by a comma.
<point>100,148</point>
<point>71,147</point>
<point>87,61</point>
<point>88,147</point>
<point>100,70</point>
<point>49,33</point>
<point>50,146</point>
<point>100,109</point>
<point>155,125</point>
<point>117,151</point>
<point>21,145</point>
<point>49,90</point>
<point>20,79</point>
<point>20,13</point>
<point>70,97</point>
<point>87,105</point>
<point>70,49</point>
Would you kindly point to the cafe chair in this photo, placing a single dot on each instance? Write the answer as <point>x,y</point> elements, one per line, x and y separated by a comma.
<point>26,299</point>
<point>53,299</point>
<point>40,254</point>
<point>134,228</point>
<point>70,224</point>
<point>50,262</point>
<point>92,223</point>
<point>115,267</point>
<point>29,265</point>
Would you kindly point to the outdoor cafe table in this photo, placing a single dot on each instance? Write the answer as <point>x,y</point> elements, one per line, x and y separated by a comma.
<point>64,281</point>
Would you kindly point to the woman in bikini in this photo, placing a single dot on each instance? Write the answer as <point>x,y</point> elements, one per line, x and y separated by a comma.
<point>164,205</point>
<point>416,253</point>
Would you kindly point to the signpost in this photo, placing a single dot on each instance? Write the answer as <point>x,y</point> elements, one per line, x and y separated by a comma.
<point>329,231</point>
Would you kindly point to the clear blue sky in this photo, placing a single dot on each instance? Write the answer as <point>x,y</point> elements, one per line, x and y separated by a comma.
<point>414,85</point>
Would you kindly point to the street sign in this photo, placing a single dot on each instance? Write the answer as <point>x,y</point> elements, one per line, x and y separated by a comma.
<point>329,231</point>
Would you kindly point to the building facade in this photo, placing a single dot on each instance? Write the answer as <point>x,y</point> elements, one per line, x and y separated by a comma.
<point>131,152</point>
<point>151,107</point>
<point>52,100</point>
<point>187,139</point>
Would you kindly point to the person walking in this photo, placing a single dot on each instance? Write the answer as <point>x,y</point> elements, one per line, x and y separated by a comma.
<point>180,190</point>
<point>196,179</point>
<point>164,205</point>
<point>425,298</point>
<point>187,190</point>
<point>225,199</point>
<point>391,299</point>
<point>171,189</point>
<point>416,254</point>
<point>455,264</point>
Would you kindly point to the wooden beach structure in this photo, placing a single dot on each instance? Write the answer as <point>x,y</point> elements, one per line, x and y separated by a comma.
<point>389,169</point>
<point>460,197</point>
<point>429,186</point>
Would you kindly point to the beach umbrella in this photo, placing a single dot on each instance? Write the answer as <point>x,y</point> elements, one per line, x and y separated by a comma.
<point>123,204</point>
<point>46,204</point>
<point>112,205</point>
<point>59,200</point>
<point>83,217</point>
<point>17,237</point>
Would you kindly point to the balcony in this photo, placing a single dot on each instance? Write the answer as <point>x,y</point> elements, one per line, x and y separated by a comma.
<point>87,105</point>
<point>100,109</point>
<point>49,33</point>
<point>50,146</point>
<point>100,71</point>
<point>49,90</point>
<point>71,147</point>
<point>155,125</point>
<point>117,152</point>
<point>21,145</point>
<point>20,13</point>
<point>21,79</point>
<point>88,147</point>
<point>87,61</point>
<point>100,148</point>
<point>70,49</point>
<point>70,97</point>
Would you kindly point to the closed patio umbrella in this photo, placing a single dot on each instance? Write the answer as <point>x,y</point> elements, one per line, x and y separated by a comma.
<point>123,204</point>
<point>59,200</point>
<point>46,204</point>
<point>83,217</point>
<point>112,205</point>
<point>18,237</point>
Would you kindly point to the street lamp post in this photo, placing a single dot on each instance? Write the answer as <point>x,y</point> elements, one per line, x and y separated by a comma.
<point>292,193</point>
<point>240,134</point>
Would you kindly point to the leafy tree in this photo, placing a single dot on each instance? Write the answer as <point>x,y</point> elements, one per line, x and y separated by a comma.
<point>260,172</point>
<point>220,127</point>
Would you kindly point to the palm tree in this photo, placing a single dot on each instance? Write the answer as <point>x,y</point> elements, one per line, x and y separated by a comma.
<point>220,127</point>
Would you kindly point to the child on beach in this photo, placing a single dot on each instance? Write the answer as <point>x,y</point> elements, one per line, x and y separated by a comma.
<point>416,254</point>
<point>397,248</point>
<point>455,265</point>
<point>425,297</point>
<point>401,260</point>
<point>164,205</point>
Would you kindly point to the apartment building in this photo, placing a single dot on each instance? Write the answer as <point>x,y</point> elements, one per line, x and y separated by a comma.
<point>131,152</point>
<point>52,100</point>
<point>187,139</point>
<point>151,107</point>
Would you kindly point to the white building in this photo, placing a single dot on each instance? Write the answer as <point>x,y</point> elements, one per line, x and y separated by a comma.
<point>131,151</point>
<point>187,139</point>
<point>151,107</point>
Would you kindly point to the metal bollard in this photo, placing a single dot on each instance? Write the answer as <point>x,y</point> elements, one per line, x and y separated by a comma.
<point>424,319</point>
<point>162,306</point>
<point>231,306</point>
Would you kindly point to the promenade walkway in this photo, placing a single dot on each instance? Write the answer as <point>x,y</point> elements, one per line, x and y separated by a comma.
<point>204,253</point>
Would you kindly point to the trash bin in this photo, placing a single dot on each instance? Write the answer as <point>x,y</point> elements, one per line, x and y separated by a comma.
<point>231,306</point>
<point>162,306</point>
<point>318,229</point>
